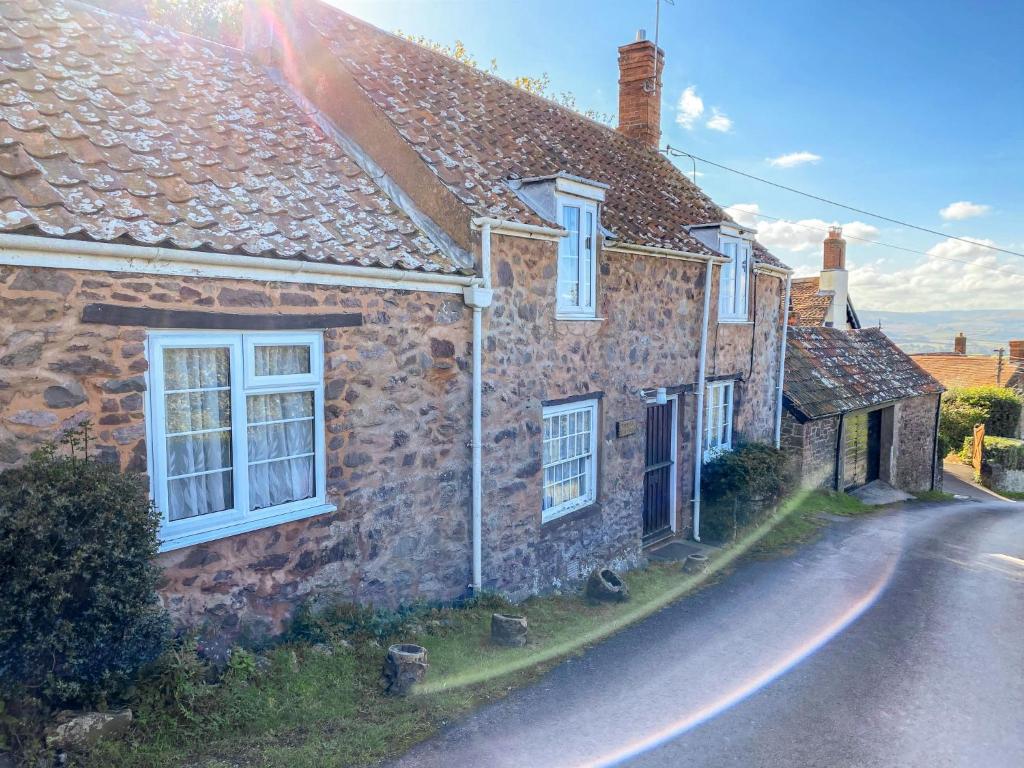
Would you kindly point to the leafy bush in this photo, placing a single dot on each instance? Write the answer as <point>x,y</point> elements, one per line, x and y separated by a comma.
<point>1001,451</point>
<point>741,486</point>
<point>997,408</point>
<point>79,616</point>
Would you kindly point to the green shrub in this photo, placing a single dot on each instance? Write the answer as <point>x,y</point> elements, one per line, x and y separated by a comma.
<point>997,408</point>
<point>79,616</point>
<point>740,487</point>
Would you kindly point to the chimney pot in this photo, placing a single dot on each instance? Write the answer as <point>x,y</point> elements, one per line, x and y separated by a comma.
<point>640,66</point>
<point>641,35</point>
<point>960,344</point>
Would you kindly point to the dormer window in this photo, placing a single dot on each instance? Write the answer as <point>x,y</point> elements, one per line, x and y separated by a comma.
<point>574,204</point>
<point>734,288</point>
<point>577,257</point>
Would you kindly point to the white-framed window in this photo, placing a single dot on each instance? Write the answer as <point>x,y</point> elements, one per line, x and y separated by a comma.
<point>718,418</point>
<point>570,458</point>
<point>577,258</point>
<point>734,288</point>
<point>237,433</point>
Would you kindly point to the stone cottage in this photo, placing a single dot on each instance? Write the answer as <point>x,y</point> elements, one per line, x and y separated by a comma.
<point>375,325</point>
<point>857,408</point>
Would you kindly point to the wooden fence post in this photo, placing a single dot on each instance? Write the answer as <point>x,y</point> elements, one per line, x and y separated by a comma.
<point>978,449</point>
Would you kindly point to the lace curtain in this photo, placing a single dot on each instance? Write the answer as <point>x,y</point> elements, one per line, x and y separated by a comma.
<point>279,427</point>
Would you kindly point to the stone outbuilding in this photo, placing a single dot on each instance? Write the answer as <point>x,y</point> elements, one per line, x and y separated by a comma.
<point>375,325</point>
<point>857,408</point>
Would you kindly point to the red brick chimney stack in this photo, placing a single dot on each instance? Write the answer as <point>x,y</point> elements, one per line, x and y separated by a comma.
<point>640,90</point>
<point>960,344</point>
<point>835,249</point>
<point>1017,352</point>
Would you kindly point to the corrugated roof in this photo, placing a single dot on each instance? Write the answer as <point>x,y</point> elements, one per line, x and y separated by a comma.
<point>476,131</point>
<point>115,130</point>
<point>831,371</point>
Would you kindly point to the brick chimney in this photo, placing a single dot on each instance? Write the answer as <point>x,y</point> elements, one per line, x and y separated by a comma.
<point>960,344</point>
<point>640,90</point>
<point>1017,352</point>
<point>835,278</point>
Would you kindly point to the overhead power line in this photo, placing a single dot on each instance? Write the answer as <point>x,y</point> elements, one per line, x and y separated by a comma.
<point>869,241</point>
<point>680,153</point>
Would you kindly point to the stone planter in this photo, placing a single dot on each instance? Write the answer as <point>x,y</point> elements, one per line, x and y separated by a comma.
<point>606,586</point>
<point>405,665</point>
<point>508,630</point>
<point>695,563</point>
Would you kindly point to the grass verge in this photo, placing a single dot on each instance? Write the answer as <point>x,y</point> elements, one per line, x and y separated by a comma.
<point>934,496</point>
<point>321,704</point>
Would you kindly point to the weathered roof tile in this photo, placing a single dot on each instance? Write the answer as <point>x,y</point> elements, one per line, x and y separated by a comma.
<point>113,129</point>
<point>831,371</point>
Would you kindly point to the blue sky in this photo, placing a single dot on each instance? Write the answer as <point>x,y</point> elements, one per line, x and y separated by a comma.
<point>909,107</point>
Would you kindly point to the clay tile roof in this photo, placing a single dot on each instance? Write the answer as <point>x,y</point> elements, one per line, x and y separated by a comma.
<point>831,371</point>
<point>116,130</point>
<point>955,370</point>
<point>477,131</point>
<point>807,304</point>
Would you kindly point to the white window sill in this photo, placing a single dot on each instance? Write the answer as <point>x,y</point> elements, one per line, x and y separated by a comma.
<point>245,526</point>
<point>552,514</point>
<point>578,318</point>
<point>735,321</point>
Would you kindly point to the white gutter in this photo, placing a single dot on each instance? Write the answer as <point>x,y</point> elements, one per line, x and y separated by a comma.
<point>33,251</point>
<point>479,298</point>
<point>665,253</point>
<point>782,364</point>
<point>515,229</point>
<point>698,453</point>
<point>771,269</point>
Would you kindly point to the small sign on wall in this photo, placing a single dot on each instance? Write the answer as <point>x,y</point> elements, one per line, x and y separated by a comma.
<point>626,427</point>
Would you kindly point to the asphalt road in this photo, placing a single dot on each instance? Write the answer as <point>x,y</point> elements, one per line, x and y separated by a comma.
<point>895,640</point>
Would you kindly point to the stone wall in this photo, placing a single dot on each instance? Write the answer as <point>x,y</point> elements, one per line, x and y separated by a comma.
<point>812,449</point>
<point>646,337</point>
<point>397,418</point>
<point>915,467</point>
<point>397,395</point>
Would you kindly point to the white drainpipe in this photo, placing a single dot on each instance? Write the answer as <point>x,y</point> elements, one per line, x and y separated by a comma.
<point>479,298</point>
<point>782,364</point>
<point>698,453</point>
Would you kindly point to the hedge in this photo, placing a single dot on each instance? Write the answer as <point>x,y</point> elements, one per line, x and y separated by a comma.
<point>739,487</point>
<point>79,615</point>
<point>999,451</point>
<point>997,408</point>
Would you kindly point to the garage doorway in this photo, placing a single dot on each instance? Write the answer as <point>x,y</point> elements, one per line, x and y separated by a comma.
<point>862,448</point>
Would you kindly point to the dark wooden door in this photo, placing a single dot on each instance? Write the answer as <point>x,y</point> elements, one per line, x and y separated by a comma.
<point>659,473</point>
<point>874,445</point>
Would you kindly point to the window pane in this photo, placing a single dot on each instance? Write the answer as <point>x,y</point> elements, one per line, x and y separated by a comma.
<point>587,260</point>
<point>742,266</point>
<point>197,424</point>
<point>727,284</point>
<point>199,494</point>
<point>569,258</point>
<point>281,442</point>
<point>279,482</point>
<point>197,368</point>
<point>281,360</point>
<point>568,463</point>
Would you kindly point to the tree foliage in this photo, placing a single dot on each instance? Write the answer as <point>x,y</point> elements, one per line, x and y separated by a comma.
<point>218,20</point>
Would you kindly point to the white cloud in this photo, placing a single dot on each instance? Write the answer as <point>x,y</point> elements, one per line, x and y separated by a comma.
<point>719,122</point>
<point>963,210</point>
<point>690,108</point>
<point>794,159</point>
<point>941,280</point>
<point>795,236</point>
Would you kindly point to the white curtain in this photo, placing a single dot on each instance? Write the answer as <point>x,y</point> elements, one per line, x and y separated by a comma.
<point>197,400</point>
<point>280,433</point>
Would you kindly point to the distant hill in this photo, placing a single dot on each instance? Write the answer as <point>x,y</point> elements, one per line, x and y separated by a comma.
<point>986,329</point>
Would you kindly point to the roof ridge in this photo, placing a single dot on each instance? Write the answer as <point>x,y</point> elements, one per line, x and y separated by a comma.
<point>149,23</point>
<point>478,71</point>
